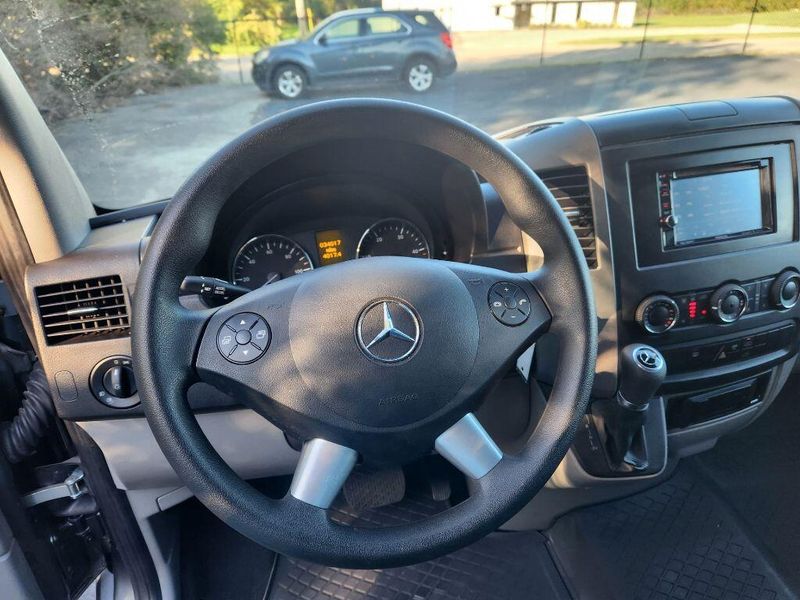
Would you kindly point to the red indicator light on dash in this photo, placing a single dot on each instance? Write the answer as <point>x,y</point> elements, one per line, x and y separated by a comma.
<point>693,309</point>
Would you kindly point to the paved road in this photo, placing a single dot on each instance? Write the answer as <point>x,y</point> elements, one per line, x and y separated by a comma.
<point>144,149</point>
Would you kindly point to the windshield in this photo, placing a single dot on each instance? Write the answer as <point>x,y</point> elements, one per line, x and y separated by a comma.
<point>139,94</point>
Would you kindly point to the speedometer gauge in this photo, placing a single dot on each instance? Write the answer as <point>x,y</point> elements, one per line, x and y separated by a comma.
<point>393,237</point>
<point>267,259</point>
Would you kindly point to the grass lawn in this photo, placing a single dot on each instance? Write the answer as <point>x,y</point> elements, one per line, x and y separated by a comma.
<point>224,50</point>
<point>785,18</point>
<point>686,37</point>
<point>659,23</point>
<point>288,31</point>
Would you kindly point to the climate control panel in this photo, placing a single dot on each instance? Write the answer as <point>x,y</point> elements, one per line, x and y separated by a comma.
<point>725,304</point>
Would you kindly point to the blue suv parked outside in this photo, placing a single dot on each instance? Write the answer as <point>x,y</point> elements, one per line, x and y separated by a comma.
<point>410,46</point>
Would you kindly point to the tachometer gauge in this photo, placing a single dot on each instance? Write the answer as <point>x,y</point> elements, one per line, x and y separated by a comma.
<point>393,237</point>
<point>267,259</point>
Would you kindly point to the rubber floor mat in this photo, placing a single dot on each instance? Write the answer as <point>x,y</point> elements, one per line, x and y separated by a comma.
<point>677,540</point>
<point>766,499</point>
<point>507,566</point>
<point>502,566</point>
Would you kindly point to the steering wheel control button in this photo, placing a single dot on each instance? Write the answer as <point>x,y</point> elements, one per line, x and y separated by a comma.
<point>244,353</point>
<point>388,331</point>
<point>243,338</point>
<point>113,383</point>
<point>242,321</point>
<point>509,303</point>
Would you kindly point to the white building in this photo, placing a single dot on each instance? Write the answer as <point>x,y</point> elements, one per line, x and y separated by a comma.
<point>498,15</point>
<point>570,13</point>
<point>464,15</point>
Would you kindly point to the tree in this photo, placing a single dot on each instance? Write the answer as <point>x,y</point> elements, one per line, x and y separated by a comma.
<point>79,55</point>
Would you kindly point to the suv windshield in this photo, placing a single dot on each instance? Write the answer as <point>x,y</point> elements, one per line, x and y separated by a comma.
<point>139,94</point>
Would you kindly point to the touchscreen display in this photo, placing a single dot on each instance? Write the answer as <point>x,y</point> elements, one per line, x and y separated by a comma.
<point>716,205</point>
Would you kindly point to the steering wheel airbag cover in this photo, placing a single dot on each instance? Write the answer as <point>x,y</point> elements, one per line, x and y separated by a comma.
<point>367,392</point>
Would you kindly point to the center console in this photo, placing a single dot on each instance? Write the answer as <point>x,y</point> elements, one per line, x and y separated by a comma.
<point>694,210</point>
<point>701,207</point>
<point>706,249</point>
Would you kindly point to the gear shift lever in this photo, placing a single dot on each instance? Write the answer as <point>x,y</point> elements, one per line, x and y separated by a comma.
<point>642,372</point>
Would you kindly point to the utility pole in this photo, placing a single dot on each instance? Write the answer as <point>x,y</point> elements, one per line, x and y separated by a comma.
<point>302,16</point>
<point>646,25</point>
<point>749,26</point>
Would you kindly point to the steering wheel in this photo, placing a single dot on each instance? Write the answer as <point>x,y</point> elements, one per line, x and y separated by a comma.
<point>381,360</point>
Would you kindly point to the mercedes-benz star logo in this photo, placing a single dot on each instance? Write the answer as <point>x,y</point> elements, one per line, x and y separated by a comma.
<point>388,331</point>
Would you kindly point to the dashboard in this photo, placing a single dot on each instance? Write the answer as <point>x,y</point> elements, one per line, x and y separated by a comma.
<point>688,217</point>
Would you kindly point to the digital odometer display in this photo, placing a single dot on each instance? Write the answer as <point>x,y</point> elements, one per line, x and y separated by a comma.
<point>267,259</point>
<point>393,237</point>
<point>330,246</point>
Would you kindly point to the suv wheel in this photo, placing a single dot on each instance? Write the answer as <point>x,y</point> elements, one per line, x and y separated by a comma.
<point>289,82</point>
<point>420,75</point>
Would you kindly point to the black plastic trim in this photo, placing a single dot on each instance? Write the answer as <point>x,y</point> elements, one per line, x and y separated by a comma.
<point>127,214</point>
<point>129,544</point>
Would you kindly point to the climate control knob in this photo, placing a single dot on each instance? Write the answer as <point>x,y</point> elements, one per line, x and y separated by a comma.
<point>728,303</point>
<point>657,314</point>
<point>785,290</point>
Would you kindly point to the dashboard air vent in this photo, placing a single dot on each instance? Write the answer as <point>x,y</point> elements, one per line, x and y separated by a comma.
<point>83,311</point>
<point>570,186</point>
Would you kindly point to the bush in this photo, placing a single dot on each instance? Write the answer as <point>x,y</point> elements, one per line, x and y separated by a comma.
<point>77,56</point>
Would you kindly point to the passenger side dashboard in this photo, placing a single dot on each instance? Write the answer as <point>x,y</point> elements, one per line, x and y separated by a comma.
<point>735,243</point>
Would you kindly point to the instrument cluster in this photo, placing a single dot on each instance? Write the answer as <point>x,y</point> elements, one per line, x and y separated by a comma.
<point>270,257</point>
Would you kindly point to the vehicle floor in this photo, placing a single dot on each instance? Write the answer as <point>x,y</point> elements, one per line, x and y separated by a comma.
<point>758,472</point>
<point>678,540</point>
<point>505,565</point>
<point>724,526</point>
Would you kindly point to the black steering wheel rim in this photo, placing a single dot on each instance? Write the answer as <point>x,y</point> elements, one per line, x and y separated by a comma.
<point>181,239</point>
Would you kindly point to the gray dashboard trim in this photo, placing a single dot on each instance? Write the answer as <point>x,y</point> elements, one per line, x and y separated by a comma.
<point>250,444</point>
<point>663,122</point>
<point>569,144</point>
<point>112,250</point>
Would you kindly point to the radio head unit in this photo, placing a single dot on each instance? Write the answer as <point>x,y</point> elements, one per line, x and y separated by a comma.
<point>709,203</point>
<point>715,203</point>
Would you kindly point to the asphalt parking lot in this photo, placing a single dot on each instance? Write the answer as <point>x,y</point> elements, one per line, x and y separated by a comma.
<point>143,149</point>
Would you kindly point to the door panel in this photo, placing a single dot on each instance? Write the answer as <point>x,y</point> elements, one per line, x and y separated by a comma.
<point>384,45</point>
<point>335,48</point>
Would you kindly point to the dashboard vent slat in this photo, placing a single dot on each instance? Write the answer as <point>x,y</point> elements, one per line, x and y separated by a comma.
<point>570,187</point>
<point>83,311</point>
<point>65,304</point>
